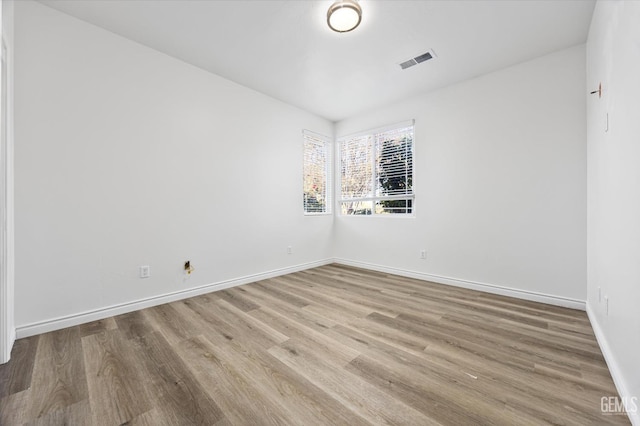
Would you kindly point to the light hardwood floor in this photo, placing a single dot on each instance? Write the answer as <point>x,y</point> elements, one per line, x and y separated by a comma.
<point>330,346</point>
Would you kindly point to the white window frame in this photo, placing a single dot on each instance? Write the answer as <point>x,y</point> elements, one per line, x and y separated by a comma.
<point>371,197</point>
<point>325,141</point>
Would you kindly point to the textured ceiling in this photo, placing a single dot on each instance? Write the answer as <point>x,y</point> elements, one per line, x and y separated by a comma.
<point>285,49</point>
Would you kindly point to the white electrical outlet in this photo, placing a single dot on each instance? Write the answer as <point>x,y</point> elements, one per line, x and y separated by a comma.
<point>289,250</point>
<point>423,254</point>
<point>145,271</point>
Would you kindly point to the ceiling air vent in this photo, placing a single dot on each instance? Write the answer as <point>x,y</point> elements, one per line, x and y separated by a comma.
<point>417,60</point>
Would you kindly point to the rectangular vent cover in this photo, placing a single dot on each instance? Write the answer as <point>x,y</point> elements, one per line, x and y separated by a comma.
<point>417,60</point>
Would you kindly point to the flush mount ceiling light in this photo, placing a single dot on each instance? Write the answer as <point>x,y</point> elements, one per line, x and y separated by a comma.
<point>344,16</point>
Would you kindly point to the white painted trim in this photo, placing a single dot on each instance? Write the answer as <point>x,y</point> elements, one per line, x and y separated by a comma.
<point>12,340</point>
<point>93,315</point>
<point>614,367</point>
<point>7,332</point>
<point>5,356</point>
<point>8,339</point>
<point>87,316</point>
<point>473,285</point>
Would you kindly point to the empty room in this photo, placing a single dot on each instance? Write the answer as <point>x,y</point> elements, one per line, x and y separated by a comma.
<point>351,212</point>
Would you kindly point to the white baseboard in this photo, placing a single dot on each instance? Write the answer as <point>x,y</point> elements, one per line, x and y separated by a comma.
<point>123,308</point>
<point>6,355</point>
<point>614,368</point>
<point>93,315</point>
<point>12,340</point>
<point>473,285</point>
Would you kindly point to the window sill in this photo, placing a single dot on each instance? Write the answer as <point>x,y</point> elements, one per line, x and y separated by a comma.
<point>385,216</point>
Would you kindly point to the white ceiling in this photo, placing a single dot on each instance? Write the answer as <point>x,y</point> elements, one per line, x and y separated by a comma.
<point>285,49</point>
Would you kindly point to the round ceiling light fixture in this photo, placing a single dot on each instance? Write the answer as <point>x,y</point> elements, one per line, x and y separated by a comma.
<point>344,16</point>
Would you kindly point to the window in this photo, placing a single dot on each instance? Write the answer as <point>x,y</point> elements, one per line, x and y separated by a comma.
<point>316,174</point>
<point>376,171</point>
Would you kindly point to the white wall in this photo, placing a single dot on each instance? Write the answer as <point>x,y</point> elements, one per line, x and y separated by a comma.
<point>128,157</point>
<point>500,183</point>
<point>613,58</point>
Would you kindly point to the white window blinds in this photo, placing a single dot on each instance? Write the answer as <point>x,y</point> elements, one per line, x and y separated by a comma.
<point>316,173</point>
<point>377,172</point>
<point>357,167</point>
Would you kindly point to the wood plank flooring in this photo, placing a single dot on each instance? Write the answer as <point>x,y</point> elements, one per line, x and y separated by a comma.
<point>333,345</point>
